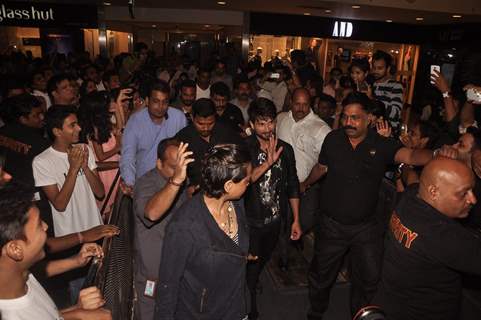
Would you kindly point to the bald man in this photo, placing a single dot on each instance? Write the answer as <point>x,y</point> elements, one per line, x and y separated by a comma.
<point>426,247</point>
<point>305,132</point>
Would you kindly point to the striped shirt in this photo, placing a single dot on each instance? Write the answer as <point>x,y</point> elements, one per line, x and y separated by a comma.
<point>390,93</point>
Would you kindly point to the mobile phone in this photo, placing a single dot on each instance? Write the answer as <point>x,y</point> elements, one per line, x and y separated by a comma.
<point>436,68</point>
<point>275,76</point>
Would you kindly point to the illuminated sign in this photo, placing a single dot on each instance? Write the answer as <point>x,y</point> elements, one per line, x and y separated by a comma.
<point>342,29</point>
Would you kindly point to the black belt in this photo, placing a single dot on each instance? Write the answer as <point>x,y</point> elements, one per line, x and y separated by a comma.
<point>259,223</point>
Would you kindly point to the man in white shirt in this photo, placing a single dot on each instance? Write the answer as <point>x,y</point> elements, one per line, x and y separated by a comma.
<point>276,86</point>
<point>67,174</point>
<point>305,132</point>
<point>22,239</point>
<point>242,100</point>
<point>203,84</point>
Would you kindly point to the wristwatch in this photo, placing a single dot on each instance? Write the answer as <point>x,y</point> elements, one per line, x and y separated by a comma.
<point>446,94</point>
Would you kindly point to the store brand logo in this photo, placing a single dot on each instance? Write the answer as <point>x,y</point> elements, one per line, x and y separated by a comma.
<point>25,14</point>
<point>342,29</point>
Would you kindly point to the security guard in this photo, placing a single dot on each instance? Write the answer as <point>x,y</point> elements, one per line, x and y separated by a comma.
<point>427,248</point>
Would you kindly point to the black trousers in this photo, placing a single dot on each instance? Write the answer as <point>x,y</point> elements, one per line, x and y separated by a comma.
<point>263,241</point>
<point>309,208</point>
<point>333,240</point>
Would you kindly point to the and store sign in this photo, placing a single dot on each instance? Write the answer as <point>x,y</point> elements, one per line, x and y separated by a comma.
<point>30,14</point>
<point>342,29</point>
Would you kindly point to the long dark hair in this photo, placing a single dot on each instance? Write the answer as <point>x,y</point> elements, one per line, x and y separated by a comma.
<point>95,118</point>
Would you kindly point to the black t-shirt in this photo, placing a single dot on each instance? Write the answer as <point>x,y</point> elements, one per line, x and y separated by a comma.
<point>351,187</point>
<point>22,144</point>
<point>232,117</point>
<point>220,134</point>
<point>425,251</point>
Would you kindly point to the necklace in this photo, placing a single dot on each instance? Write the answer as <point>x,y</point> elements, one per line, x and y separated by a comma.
<point>227,226</point>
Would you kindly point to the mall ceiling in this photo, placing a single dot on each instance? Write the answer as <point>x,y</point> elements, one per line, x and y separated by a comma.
<point>428,12</point>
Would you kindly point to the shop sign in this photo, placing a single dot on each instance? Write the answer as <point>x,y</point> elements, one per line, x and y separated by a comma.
<point>47,15</point>
<point>342,29</point>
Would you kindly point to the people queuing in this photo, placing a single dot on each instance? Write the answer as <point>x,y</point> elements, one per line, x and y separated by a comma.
<point>226,162</point>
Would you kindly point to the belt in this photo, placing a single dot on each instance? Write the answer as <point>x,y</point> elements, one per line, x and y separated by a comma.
<point>262,222</point>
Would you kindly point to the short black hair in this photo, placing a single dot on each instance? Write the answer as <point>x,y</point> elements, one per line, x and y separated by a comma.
<point>20,106</point>
<point>430,130</point>
<point>109,74</point>
<point>382,55</point>
<point>164,144</point>
<point>55,117</point>
<point>222,163</point>
<point>362,64</point>
<point>187,84</point>
<point>54,82</point>
<point>329,100</point>
<point>242,78</point>
<point>160,85</point>
<point>378,108</point>
<point>262,108</point>
<point>15,200</point>
<point>221,89</point>
<point>203,107</point>
<point>358,98</point>
<point>139,46</point>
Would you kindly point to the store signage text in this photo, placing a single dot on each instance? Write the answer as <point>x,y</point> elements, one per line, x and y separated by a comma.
<point>31,13</point>
<point>342,29</point>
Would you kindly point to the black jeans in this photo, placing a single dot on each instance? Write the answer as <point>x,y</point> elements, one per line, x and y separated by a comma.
<point>333,240</point>
<point>309,208</point>
<point>263,241</point>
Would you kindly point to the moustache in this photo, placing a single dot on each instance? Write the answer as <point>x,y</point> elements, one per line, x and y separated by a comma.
<point>349,127</point>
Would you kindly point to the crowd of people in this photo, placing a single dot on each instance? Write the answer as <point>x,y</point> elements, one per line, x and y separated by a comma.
<point>225,163</point>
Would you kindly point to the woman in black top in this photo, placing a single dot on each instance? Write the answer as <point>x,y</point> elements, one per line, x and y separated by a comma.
<point>202,270</point>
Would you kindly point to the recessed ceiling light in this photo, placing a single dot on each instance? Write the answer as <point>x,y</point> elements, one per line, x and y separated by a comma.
<point>154,26</point>
<point>207,25</point>
<point>327,11</point>
<point>307,14</point>
<point>457,16</point>
<point>222,3</point>
<point>419,19</point>
<point>388,20</point>
<point>107,4</point>
<point>355,7</point>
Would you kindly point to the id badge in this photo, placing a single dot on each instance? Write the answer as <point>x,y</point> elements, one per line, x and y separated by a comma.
<point>149,290</point>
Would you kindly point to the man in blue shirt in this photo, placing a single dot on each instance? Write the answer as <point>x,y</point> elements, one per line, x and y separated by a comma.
<point>143,132</point>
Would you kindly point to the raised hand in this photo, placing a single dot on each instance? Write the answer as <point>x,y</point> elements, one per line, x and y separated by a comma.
<point>273,154</point>
<point>439,81</point>
<point>100,232</point>
<point>383,128</point>
<point>182,161</point>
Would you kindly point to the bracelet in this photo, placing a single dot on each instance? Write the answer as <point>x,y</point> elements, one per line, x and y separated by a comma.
<point>172,182</point>
<point>80,237</point>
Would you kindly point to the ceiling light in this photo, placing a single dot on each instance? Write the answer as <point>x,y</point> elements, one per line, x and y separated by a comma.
<point>355,7</point>
<point>457,16</point>
<point>307,14</point>
<point>207,25</point>
<point>154,26</point>
<point>107,4</point>
<point>388,20</point>
<point>222,3</point>
<point>419,19</point>
<point>327,11</point>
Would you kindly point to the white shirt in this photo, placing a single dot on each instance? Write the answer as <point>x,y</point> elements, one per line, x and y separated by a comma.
<point>244,110</point>
<point>36,304</point>
<point>202,93</point>
<point>278,92</point>
<point>305,136</point>
<point>51,167</point>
